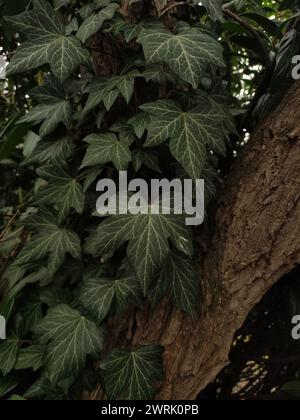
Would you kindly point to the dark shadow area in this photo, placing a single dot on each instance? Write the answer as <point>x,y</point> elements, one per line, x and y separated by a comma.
<point>264,357</point>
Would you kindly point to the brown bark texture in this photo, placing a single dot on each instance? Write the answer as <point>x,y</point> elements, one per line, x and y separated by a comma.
<point>255,242</point>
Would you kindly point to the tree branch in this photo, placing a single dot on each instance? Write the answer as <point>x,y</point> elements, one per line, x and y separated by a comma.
<point>252,31</point>
<point>173,6</point>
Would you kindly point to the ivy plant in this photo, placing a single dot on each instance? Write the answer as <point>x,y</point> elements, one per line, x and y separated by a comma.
<point>107,90</point>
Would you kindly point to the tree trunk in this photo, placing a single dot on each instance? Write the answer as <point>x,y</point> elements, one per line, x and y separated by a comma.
<point>256,241</point>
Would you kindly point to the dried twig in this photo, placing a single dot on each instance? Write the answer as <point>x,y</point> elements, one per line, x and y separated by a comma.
<point>173,6</point>
<point>242,22</point>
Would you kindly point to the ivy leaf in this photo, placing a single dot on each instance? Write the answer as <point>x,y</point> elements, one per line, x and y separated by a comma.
<point>72,26</point>
<point>105,148</point>
<point>132,375</point>
<point>90,175</point>
<point>62,190</point>
<point>158,74</point>
<point>97,296</point>
<point>107,90</point>
<point>31,358</point>
<point>51,241</point>
<point>42,21</point>
<point>124,131</point>
<point>142,253</point>
<point>58,4</point>
<point>110,99</point>
<point>47,150</point>
<point>148,236</point>
<point>132,30</point>
<point>188,53</point>
<point>125,84</point>
<point>146,158</point>
<point>55,295</point>
<point>32,312</point>
<point>7,384</point>
<point>30,142</point>
<point>53,108</point>
<point>67,55</point>
<point>52,114</point>
<point>189,133</point>
<point>11,136</point>
<point>288,47</point>
<point>50,91</point>
<point>47,43</point>
<point>8,353</point>
<point>71,337</point>
<point>43,388</point>
<point>182,283</point>
<point>99,89</point>
<point>214,9</point>
<point>86,10</point>
<point>140,123</point>
<point>95,22</point>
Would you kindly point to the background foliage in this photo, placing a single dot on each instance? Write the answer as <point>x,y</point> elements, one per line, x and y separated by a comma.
<point>90,92</point>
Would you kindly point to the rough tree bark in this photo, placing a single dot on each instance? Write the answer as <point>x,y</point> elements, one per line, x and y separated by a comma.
<point>256,241</point>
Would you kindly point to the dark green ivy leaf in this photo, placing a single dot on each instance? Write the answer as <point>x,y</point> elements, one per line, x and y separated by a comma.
<point>47,150</point>
<point>181,281</point>
<point>148,236</point>
<point>47,43</point>
<point>104,148</point>
<point>7,384</point>
<point>190,132</point>
<point>140,123</point>
<point>8,353</point>
<point>147,158</point>
<point>107,90</point>
<point>95,22</point>
<point>132,374</point>
<point>31,358</point>
<point>62,189</point>
<point>52,241</point>
<point>70,338</point>
<point>97,295</point>
<point>214,9</point>
<point>53,108</point>
<point>188,52</point>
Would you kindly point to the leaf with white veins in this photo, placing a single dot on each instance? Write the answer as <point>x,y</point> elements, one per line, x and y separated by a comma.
<point>132,374</point>
<point>188,52</point>
<point>46,43</point>
<point>70,338</point>
<point>104,148</point>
